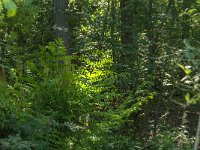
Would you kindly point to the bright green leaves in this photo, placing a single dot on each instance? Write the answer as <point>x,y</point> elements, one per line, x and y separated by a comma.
<point>187,97</point>
<point>186,69</point>
<point>191,100</point>
<point>1,7</point>
<point>10,6</point>
<point>191,80</point>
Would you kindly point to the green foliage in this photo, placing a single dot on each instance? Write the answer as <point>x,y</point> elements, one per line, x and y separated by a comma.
<point>14,143</point>
<point>191,80</point>
<point>40,103</point>
<point>117,90</point>
<point>169,140</point>
<point>10,6</point>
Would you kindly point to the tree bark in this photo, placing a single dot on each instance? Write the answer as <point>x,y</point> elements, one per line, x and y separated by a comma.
<point>126,22</point>
<point>60,19</point>
<point>128,31</point>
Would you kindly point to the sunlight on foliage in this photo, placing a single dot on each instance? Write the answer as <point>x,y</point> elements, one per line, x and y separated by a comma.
<point>10,6</point>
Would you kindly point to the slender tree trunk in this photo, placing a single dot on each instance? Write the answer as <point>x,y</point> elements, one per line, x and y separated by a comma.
<point>113,11</point>
<point>152,66</point>
<point>105,22</point>
<point>112,30</point>
<point>126,22</point>
<point>150,34</point>
<point>128,31</point>
<point>61,22</point>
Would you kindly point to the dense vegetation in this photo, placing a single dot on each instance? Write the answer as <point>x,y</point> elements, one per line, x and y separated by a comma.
<point>99,74</point>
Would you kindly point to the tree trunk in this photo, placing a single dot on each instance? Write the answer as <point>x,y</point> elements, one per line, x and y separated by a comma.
<point>60,19</point>
<point>128,31</point>
<point>126,22</point>
<point>112,30</point>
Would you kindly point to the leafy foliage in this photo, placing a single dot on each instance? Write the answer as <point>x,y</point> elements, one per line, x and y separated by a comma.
<point>120,89</point>
<point>10,7</point>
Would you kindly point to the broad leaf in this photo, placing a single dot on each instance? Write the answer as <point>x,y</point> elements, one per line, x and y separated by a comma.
<point>11,7</point>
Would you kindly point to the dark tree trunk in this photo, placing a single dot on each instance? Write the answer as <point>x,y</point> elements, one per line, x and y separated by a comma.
<point>61,22</point>
<point>128,31</point>
<point>112,30</point>
<point>126,22</point>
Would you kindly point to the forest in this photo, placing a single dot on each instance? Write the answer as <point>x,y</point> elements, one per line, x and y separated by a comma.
<point>99,74</point>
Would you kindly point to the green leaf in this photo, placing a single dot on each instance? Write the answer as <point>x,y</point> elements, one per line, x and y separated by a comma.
<point>192,11</point>
<point>1,7</point>
<point>181,66</point>
<point>11,7</point>
<point>185,69</point>
<point>187,97</point>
